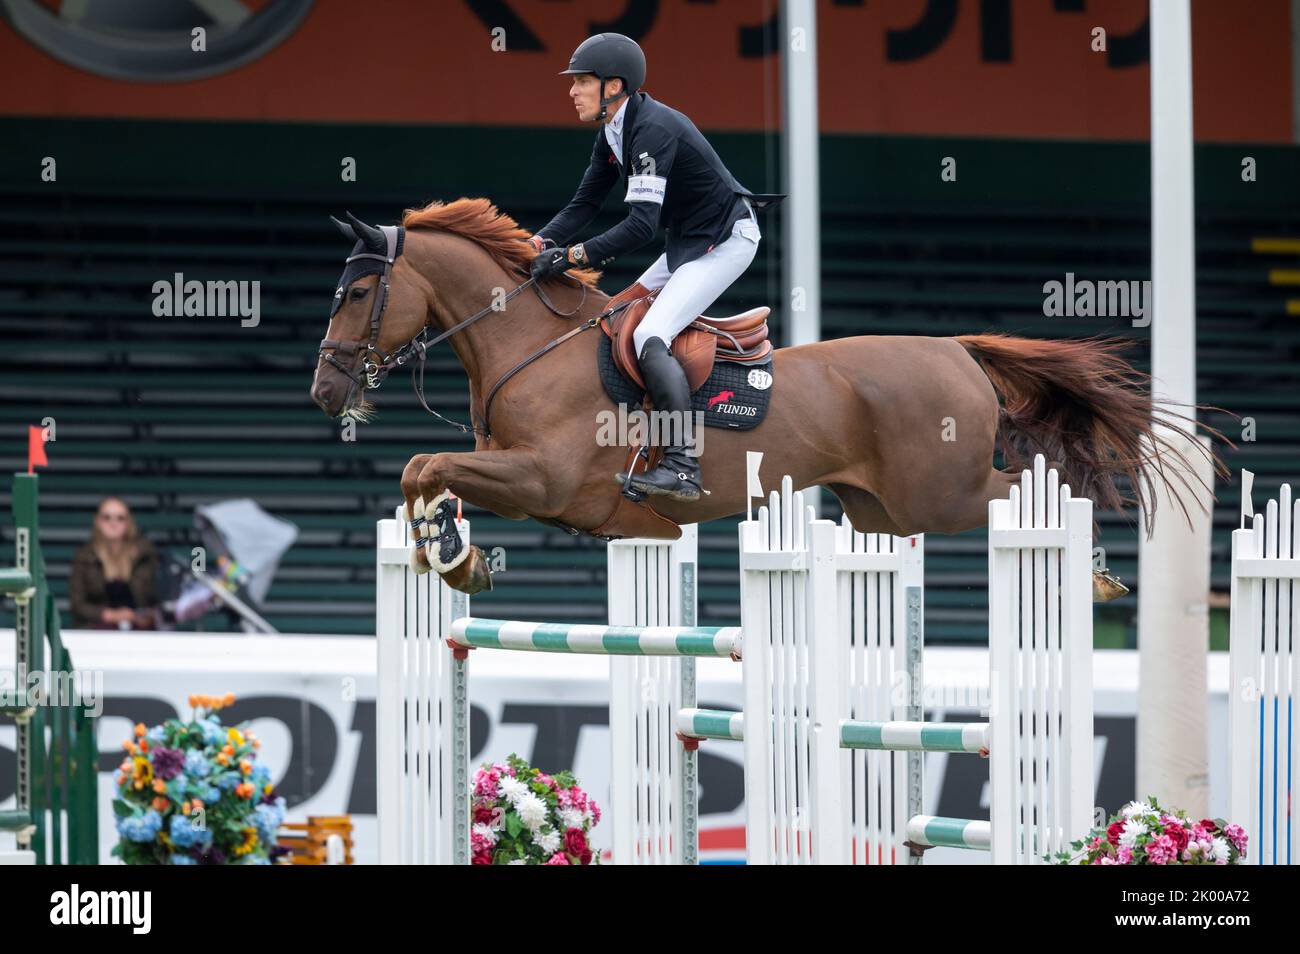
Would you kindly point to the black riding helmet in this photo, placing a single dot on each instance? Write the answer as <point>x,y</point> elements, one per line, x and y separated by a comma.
<point>607,55</point>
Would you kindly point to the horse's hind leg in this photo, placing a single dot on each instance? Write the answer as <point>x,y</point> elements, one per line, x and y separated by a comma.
<point>967,511</point>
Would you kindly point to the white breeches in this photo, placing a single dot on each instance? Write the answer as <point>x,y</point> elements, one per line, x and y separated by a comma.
<point>687,292</point>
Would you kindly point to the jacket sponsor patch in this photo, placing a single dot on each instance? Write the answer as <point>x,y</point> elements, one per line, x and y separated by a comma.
<point>646,189</point>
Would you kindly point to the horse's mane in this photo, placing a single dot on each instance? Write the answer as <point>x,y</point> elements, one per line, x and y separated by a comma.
<point>480,221</point>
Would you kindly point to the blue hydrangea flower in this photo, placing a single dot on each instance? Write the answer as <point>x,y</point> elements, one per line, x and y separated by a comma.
<point>213,732</point>
<point>197,764</point>
<point>183,860</point>
<point>156,734</point>
<point>185,835</point>
<point>267,819</point>
<point>260,776</point>
<point>140,828</point>
<point>210,795</point>
<point>228,782</point>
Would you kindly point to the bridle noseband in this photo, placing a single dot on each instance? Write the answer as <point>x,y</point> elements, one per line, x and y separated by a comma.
<point>376,363</point>
<point>375,371</point>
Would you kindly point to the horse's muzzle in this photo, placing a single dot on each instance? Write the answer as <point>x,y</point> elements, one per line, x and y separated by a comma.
<point>332,391</point>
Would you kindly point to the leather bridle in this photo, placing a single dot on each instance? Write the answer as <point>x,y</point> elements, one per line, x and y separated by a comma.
<point>376,363</point>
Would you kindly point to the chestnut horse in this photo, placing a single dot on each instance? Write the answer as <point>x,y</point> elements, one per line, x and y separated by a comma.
<point>901,429</point>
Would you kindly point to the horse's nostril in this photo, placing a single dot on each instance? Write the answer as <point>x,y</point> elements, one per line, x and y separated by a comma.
<point>323,394</point>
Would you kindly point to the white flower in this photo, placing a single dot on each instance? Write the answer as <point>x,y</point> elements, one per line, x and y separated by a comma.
<point>1220,851</point>
<point>512,789</point>
<point>486,831</point>
<point>1133,830</point>
<point>1132,809</point>
<point>572,818</point>
<point>549,842</point>
<point>532,811</point>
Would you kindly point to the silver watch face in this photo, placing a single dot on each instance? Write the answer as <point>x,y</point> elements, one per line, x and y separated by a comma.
<point>580,254</point>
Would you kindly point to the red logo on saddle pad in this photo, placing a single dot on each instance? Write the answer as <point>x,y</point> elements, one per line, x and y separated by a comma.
<point>721,397</point>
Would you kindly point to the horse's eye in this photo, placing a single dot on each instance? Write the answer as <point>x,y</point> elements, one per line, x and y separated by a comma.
<point>358,292</point>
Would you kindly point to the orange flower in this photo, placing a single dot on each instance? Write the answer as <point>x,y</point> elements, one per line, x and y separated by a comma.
<point>244,790</point>
<point>192,700</point>
<point>245,766</point>
<point>139,729</point>
<point>185,808</point>
<point>129,746</point>
<point>144,745</point>
<point>196,803</point>
<point>160,804</point>
<point>223,759</point>
<point>228,699</point>
<point>159,785</point>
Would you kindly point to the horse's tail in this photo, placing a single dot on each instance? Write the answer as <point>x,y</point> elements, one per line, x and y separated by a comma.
<point>1084,407</point>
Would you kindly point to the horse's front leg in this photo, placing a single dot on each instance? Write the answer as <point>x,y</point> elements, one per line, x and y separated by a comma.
<point>483,477</point>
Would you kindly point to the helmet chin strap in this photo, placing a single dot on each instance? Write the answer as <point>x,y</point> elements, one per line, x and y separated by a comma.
<point>605,102</point>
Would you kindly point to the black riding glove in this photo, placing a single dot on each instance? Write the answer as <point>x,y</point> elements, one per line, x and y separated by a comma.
<point>552,261</point>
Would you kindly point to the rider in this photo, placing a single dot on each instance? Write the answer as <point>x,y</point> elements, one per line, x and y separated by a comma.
<point>674,178</point>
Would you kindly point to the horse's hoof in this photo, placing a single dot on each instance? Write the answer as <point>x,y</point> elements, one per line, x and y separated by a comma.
<point>471,575</point>
<point>1106,587</point>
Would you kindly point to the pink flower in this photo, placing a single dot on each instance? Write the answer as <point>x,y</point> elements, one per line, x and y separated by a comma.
<point>1209,825</point>
<point>1237,835</point>
<point>1162,850</point>
<point>485,783</point>
<point>1178,834</point>
<point>558,859</point>
<point>1114,831</point>
<point>481,858</point>
<point>485,813</point>
<point>1124,856</point>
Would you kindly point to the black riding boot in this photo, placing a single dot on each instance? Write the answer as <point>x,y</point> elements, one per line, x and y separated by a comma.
<point>677,475</point>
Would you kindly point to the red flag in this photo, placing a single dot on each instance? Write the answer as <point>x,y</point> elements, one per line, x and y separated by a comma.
<point>36,448</point>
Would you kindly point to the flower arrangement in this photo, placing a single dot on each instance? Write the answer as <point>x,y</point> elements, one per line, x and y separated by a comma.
<point>192,793</point>
<point>521,816</point>
<point>1143,833</point>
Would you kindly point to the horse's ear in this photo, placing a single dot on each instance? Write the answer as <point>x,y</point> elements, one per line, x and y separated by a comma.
<point>348,232</point>
<point>373,238</point>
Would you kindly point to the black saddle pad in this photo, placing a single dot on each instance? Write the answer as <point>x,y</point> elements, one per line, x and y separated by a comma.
<point>735,395</point>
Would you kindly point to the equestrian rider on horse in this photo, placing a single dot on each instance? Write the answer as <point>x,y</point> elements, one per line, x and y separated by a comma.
<point>674,178</point>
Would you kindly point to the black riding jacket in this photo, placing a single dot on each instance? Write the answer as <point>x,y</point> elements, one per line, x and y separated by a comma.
<point>671,176</point>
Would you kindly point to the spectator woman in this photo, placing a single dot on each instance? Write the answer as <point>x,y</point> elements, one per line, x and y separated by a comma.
<point>114,576</point>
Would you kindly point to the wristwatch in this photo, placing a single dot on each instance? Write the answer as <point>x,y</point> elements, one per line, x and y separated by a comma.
<point>578,254</point>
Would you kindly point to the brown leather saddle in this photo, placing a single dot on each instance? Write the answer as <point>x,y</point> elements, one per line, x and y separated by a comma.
<point>741,338</point>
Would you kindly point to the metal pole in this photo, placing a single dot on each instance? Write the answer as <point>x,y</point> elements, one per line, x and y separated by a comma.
<point>801,227</point>
<point>1174,564</point>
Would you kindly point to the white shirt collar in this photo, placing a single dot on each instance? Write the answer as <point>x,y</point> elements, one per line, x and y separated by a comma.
<point>614,130</point>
